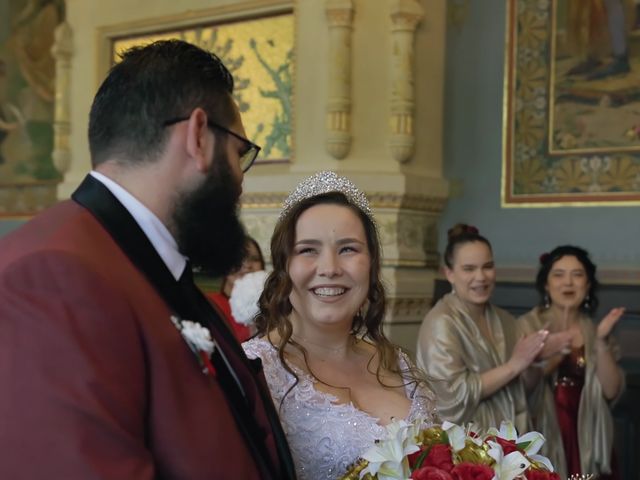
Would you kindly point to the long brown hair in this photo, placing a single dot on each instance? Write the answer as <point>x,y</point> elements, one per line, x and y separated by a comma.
<point>274,303</point>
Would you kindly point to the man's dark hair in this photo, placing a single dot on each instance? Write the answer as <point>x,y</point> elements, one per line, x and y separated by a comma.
<point>150,85</point>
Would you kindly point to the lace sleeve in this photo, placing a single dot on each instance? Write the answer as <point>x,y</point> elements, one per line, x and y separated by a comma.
<point>278,379</point>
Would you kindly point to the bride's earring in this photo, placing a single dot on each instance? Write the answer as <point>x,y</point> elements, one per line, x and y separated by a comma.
<point>547,300</point>
<point>453,289</point>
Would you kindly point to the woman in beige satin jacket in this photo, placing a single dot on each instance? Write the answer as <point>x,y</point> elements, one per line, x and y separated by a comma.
<point>473,353</point>
<point>571,406</point>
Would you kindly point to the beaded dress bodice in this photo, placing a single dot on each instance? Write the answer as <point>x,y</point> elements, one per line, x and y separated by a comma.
<point>326,437</point>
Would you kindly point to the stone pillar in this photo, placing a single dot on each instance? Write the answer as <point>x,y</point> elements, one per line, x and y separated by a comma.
<point>340,19</point>
<point>405,16</point>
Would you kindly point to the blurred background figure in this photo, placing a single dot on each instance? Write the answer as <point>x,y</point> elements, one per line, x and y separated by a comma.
<point>253,261</point>
<point>473,352</point>
<point>571,406</point>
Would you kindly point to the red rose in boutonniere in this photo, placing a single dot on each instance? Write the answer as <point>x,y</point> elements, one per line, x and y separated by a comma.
<point>472,471</point>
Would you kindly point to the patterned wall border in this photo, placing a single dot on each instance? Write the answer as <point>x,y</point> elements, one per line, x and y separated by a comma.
<point>535,173</point>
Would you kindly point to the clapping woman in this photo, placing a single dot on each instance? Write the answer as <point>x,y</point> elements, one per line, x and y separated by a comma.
<point>571,405</point>
<point>475,356</point>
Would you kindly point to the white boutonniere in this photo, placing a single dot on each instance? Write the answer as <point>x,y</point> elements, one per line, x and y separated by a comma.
<point>199,340</point>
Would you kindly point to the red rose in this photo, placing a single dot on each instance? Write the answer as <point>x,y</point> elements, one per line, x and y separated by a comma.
<point>508,446</point>
<point>430,473</point>
<point>541,475</point>
<point>413,457</point>
<point>440,457</point>
<point>471,471</point>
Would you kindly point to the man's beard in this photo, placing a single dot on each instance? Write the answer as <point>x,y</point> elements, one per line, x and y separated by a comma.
<point>207,228</point>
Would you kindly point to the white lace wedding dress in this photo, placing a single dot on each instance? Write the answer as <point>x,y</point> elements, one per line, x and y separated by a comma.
<point>325,437</point>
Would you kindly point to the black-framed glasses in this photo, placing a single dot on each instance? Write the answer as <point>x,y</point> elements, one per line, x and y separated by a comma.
<point>247,156</point>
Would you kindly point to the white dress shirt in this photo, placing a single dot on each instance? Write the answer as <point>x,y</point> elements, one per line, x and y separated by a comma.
<point>153,228</point>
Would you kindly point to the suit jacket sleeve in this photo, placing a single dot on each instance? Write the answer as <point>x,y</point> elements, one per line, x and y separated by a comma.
<point>66,335</point>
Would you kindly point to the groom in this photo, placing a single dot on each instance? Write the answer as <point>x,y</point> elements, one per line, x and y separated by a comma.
<point>99,377</point>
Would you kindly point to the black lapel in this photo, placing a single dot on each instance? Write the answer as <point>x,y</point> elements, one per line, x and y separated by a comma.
<point>119,223</point>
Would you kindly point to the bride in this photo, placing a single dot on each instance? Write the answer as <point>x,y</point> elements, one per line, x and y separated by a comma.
<point>335,377</point>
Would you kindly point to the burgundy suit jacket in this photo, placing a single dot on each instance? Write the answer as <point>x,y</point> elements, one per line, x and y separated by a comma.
<point>96,381</point>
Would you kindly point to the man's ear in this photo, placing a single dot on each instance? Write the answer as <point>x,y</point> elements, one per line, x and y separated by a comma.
<point>198,140</point>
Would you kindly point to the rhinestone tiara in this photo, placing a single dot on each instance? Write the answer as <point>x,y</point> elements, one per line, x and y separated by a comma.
<point>326,182</point>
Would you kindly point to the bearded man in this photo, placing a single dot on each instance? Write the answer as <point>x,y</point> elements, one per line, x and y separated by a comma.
<point>112,363</point>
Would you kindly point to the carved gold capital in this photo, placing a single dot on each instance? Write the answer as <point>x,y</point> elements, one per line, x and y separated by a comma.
<point>406,14</point>
<point>403,21</point>
<point>339,12</point>
<point>340,17</point>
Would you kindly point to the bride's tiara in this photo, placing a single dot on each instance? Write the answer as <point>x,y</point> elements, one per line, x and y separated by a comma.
<point>326,182</point>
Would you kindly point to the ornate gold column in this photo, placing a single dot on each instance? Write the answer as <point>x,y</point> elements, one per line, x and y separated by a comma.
<point>405,17</point>
<point>62,51</point>
<point>340,18</point>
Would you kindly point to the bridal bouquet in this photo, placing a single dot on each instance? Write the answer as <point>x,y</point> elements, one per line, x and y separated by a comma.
<point>449,452</point>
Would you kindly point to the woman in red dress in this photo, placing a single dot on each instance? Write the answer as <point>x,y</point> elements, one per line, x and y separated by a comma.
<point>253,261</point>
<point>581,376</point>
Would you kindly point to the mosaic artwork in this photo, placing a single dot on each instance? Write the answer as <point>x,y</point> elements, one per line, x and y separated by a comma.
<point>28,177</point>
<point>259,54</point>
<point>572,103</point>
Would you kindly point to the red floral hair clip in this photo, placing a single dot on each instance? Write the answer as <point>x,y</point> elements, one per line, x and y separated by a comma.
<point>544,258</point>
<point>471,229</point>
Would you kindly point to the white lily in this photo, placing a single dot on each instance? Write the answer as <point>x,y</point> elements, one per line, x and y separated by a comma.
<point>388,458</point>
<point>456,434</point>
<point>507,467</point>
<point>530,442</point>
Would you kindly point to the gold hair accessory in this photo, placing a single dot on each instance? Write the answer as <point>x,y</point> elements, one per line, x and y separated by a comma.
<point>326,182</point>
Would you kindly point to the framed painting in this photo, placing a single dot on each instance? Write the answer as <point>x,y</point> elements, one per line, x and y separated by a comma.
<point>28,177</point>
<point>258,48</point>
<point>571,129</point>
